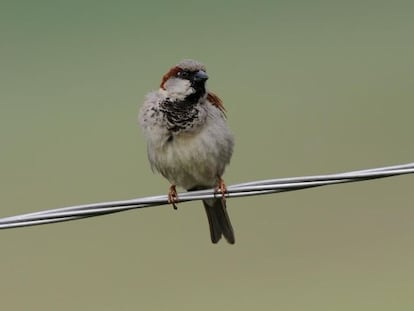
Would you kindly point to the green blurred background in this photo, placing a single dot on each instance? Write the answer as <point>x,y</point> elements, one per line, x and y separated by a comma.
<point>311,87</point>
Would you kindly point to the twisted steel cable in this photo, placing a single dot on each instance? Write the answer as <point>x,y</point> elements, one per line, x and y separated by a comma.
<point>239,190</point>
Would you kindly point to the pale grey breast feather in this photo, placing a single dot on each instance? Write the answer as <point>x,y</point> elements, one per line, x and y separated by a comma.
<point>194,156</point>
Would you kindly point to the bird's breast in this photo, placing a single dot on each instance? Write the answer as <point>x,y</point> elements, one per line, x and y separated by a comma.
<point>190,159</point>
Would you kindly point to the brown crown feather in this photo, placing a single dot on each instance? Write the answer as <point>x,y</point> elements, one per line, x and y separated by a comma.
<point>171,73</point>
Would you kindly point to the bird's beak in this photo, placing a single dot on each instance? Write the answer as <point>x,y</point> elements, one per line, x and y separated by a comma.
<point>200,76</point>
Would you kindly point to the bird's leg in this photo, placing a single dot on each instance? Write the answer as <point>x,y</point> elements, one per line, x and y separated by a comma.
<point>172,196</point>
<point>221,187</point>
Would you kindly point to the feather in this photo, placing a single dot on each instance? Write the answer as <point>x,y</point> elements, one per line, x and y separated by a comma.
<point>218,220</point>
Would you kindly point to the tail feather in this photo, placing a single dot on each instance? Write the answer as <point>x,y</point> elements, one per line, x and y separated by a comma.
<point>218,220</point>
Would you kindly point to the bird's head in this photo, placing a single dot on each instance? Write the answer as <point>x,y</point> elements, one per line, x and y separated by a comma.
<point>187,78</point>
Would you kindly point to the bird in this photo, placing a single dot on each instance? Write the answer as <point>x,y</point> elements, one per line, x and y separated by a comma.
<point>188,139</point>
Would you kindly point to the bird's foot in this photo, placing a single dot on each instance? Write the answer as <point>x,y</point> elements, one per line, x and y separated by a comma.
<point>172,196</point>
<point>221,187</point>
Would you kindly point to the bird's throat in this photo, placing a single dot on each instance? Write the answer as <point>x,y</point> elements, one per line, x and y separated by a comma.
<point>180,115</point>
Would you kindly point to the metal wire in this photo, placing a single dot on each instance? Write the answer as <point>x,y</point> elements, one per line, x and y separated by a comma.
<point>240,190</point>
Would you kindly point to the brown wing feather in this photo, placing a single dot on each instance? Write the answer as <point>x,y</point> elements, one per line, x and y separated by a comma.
<point>216,101</point>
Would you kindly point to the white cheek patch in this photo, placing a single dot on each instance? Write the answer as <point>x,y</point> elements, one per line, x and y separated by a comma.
<point>178,88</point>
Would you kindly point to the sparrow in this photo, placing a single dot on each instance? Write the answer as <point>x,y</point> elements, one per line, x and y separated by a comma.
<point>188,139</point>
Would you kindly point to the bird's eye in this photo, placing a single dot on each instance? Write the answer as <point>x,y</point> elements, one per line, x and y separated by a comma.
<point>183,74</point>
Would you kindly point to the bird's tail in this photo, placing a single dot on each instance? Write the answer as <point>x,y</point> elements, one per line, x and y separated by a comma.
<point>218,220</point>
